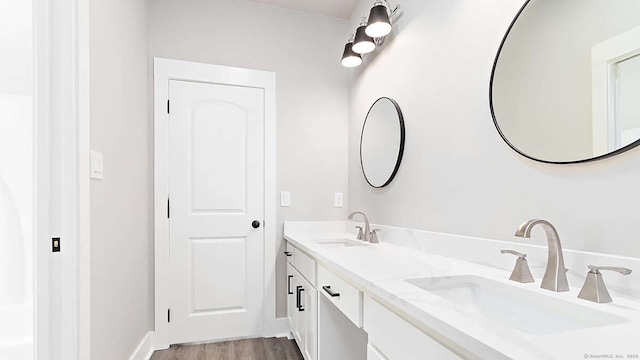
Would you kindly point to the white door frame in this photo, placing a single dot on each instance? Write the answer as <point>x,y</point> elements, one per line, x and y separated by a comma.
<point>62,290</point>
<point>604,57</point>
<point>165,70</point>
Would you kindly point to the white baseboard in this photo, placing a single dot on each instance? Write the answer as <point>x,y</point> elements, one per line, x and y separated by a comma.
<point>144,349</point>
<point>276,328</point>
<point>281,328</point>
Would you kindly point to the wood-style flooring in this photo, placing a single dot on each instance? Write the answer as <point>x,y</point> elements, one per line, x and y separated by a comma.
<point>250,349</point>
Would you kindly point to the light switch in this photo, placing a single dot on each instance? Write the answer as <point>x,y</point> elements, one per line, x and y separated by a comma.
<point>338,200</point>
<point>285,198</point>
<point>97,171</point>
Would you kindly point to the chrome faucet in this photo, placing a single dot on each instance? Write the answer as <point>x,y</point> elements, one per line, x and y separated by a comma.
<point>555,276</point>
<point>366,234</point>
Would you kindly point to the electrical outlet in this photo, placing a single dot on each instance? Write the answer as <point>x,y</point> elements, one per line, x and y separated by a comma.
<point>338,200</point>
<point>285,198</point>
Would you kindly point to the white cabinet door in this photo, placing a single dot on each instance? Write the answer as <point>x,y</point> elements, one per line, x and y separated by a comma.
<point>302,313</point>
<point>398,339</point>
<point>310,304</point>
<point>291,298</point>
<point>298,309</point>
<point>217,191</point>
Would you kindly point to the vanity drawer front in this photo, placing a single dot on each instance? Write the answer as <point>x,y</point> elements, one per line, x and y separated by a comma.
<point>399,340</point>
<point>290,253</point>
<point>350,299</point>
<point>305,265</point>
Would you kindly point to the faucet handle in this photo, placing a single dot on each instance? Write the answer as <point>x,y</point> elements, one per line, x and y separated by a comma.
<point>596,269</point>
<point>594,288</point>
<point>513,252</point>
<point>360,233</point>
<point>374,236</point>
<point>521,272</point>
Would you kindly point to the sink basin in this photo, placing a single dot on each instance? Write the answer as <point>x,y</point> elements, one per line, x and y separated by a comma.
<point>482,299</point>
<point>340,242</point>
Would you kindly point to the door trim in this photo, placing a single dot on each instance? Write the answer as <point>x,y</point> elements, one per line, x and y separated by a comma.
<point>62,112</point>
<point>165,70</point>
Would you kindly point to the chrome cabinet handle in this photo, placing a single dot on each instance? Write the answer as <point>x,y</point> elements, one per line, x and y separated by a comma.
<point>621,270</point>
<point>289,284</point>
<point>299,290</point>
<point>331,293</point>
<point>287,253</point>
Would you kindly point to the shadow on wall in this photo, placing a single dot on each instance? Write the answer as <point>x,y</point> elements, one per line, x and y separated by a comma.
<point>12,257</point>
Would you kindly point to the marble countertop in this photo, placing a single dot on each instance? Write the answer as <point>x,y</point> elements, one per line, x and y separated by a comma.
<point>380,270</point>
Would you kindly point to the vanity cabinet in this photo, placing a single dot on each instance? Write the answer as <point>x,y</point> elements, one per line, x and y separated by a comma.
<point>393,338</point>
<point>346,297</point>
<point>302,303</point>
<point>327,326</point>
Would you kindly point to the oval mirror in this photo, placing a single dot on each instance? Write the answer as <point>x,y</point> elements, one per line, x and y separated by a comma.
<point>565,86</point>
<point>382,142</point>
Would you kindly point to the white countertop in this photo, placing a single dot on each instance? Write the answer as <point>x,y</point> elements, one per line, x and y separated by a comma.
<point>381,270</point>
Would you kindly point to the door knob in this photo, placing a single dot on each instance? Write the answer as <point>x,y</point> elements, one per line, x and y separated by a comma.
<point>255,224</point>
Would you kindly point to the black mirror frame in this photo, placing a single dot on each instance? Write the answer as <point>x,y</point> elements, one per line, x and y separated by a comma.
<point>495,121</point>
<point>402,140</point>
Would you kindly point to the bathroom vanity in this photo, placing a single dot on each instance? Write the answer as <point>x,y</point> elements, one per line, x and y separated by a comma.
<point>421,295</point>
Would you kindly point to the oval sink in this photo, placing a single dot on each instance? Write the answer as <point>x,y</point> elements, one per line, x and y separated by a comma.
<point>520,309</point>
<point>339,242</point>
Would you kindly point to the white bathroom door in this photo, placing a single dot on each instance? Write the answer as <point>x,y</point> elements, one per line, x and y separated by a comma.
<point>216,210</point>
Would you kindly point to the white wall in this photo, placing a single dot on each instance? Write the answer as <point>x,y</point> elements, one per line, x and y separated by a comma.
<point>458,176</point>
<point>121,211</point>
<point>312,90</point>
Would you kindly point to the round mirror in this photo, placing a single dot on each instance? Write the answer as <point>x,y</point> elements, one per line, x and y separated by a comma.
<point>382,142</point>
<point>565,86</point>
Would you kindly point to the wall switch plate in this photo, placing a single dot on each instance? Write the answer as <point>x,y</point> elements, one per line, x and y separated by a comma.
<point>55,244</point>
<point>338,200</point>
<point>97,165</point>
<point>285,198</point>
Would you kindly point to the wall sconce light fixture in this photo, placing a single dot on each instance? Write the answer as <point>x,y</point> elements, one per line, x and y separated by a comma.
<point>370,33</point>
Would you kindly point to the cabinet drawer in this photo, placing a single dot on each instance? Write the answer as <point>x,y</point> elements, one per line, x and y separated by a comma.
<point>346,297</point>
<point>305,265</point>
<point>398,339</point>
<point>290,252</point>
<point>373,354</point>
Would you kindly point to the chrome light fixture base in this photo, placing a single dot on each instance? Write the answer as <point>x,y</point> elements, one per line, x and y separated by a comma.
<point>381,19</point>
